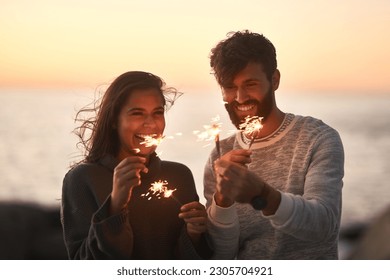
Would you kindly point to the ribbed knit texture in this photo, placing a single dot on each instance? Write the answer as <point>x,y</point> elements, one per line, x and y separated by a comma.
<point>305,162</point>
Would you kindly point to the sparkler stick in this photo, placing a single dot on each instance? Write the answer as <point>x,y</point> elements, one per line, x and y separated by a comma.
<point>252,127</point>
<point>177,201</point>
<point>217,146</point>
<point>211,132</point>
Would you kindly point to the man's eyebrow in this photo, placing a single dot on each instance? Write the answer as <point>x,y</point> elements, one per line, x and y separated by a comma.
<point>251,80</point>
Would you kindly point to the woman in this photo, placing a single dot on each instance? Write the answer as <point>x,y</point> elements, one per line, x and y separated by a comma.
<point>108,211</point>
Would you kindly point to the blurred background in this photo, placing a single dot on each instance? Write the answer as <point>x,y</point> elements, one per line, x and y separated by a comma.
<point>58,56</point>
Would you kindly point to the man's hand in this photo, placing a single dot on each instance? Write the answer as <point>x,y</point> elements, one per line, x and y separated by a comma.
<point>236,183</point>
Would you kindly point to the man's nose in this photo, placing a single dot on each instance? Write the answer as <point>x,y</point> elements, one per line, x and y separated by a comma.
<point>241,95</point>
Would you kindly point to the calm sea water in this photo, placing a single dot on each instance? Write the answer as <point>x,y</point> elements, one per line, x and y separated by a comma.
<point>37,144</point>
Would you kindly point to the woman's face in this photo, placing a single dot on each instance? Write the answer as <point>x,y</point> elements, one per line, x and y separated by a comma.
<point>141,117</point>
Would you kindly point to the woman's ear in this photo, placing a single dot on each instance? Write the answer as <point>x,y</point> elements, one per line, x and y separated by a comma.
<point>275,80</point>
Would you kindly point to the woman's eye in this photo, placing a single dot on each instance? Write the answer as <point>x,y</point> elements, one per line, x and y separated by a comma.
<point>135,113</point>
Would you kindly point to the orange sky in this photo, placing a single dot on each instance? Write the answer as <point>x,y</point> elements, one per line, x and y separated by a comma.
<point>321,45</point>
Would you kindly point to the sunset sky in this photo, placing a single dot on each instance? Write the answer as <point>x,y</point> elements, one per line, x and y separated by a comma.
<point>321,45</point>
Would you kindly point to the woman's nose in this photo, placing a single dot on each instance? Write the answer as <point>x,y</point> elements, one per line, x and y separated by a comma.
<point>149,122</point>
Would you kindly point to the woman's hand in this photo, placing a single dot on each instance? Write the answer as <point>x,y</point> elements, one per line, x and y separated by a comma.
<point>195,216</point>
<point>126,176</point>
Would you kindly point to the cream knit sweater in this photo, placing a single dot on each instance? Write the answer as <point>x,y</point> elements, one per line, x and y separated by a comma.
<point>304,160</point>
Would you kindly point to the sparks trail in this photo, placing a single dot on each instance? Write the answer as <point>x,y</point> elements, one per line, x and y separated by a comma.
<point>251,127</point>
<point>160,190</point>
<point>210,133</point>
<point>152,140</point>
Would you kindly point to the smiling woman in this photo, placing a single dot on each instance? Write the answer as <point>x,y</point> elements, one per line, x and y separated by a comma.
<point>104,212</point>
<point>141,118</point>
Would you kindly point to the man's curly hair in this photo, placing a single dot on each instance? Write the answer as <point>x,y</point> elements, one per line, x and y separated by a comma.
<point>233,54</point>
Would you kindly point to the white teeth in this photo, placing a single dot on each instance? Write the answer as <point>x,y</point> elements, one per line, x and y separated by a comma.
<point>145,136</point>
<point>244,107</point>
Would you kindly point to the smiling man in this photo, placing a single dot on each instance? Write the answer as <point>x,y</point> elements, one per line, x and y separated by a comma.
<point>276,193</point>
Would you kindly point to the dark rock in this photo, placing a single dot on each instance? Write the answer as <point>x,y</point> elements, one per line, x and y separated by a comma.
<point>374,243</point>
<point>30,231</point>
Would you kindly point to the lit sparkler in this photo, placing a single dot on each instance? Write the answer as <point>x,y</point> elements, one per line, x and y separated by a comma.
<point>160,189</point>
<point>152,140</point>
<point>211,132</point>
<point>251,126</point>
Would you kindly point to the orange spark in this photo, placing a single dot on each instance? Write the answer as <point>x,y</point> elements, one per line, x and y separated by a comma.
<point>251,127</point>
<point>159,189</point>
<point>152,140</point>
<point>211,132</point>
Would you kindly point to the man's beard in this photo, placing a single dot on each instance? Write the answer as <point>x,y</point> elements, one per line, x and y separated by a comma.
<point>263,109</point>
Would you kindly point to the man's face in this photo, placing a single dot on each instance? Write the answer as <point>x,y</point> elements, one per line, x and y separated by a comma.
<point>250,93</point>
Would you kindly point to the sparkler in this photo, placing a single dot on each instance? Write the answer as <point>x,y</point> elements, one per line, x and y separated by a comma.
<point>160,189</point>
<point>251,126</point>
<point>152,140</point>
<point>211,132</point>
<point>149,141</point>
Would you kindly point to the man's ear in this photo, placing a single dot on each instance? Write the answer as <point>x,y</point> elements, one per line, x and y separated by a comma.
<point>275,80</point>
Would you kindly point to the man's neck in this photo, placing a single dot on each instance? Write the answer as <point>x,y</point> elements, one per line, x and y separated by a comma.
<point>271,123</point>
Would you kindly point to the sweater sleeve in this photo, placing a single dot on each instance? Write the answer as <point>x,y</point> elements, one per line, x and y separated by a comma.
<point>223,225</point>
<point>315,216</point>
<point>88,231</point>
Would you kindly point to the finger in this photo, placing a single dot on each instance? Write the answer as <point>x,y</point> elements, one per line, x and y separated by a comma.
<point>239,152</point>
<point>196,220</point>
<point>238,155</point>
<point>241,159</point>
<point>134,162</point>
<point>127,178</point>
<point>192,205</point>
<point>193,213</point>
<point>196,228</point>
<point>132,159</point>
<point>228,169</point>
<point>130,168</point>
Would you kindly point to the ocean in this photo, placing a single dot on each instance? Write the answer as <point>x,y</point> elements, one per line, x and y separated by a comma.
<point>37,145</point>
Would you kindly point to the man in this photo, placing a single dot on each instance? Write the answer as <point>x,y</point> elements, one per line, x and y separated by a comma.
<point>280,199</point>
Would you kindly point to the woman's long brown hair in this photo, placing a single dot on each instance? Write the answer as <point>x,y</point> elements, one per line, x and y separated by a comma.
<point>97,134</point>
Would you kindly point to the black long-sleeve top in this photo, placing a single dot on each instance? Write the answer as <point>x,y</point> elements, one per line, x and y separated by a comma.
<point>147,229</point>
